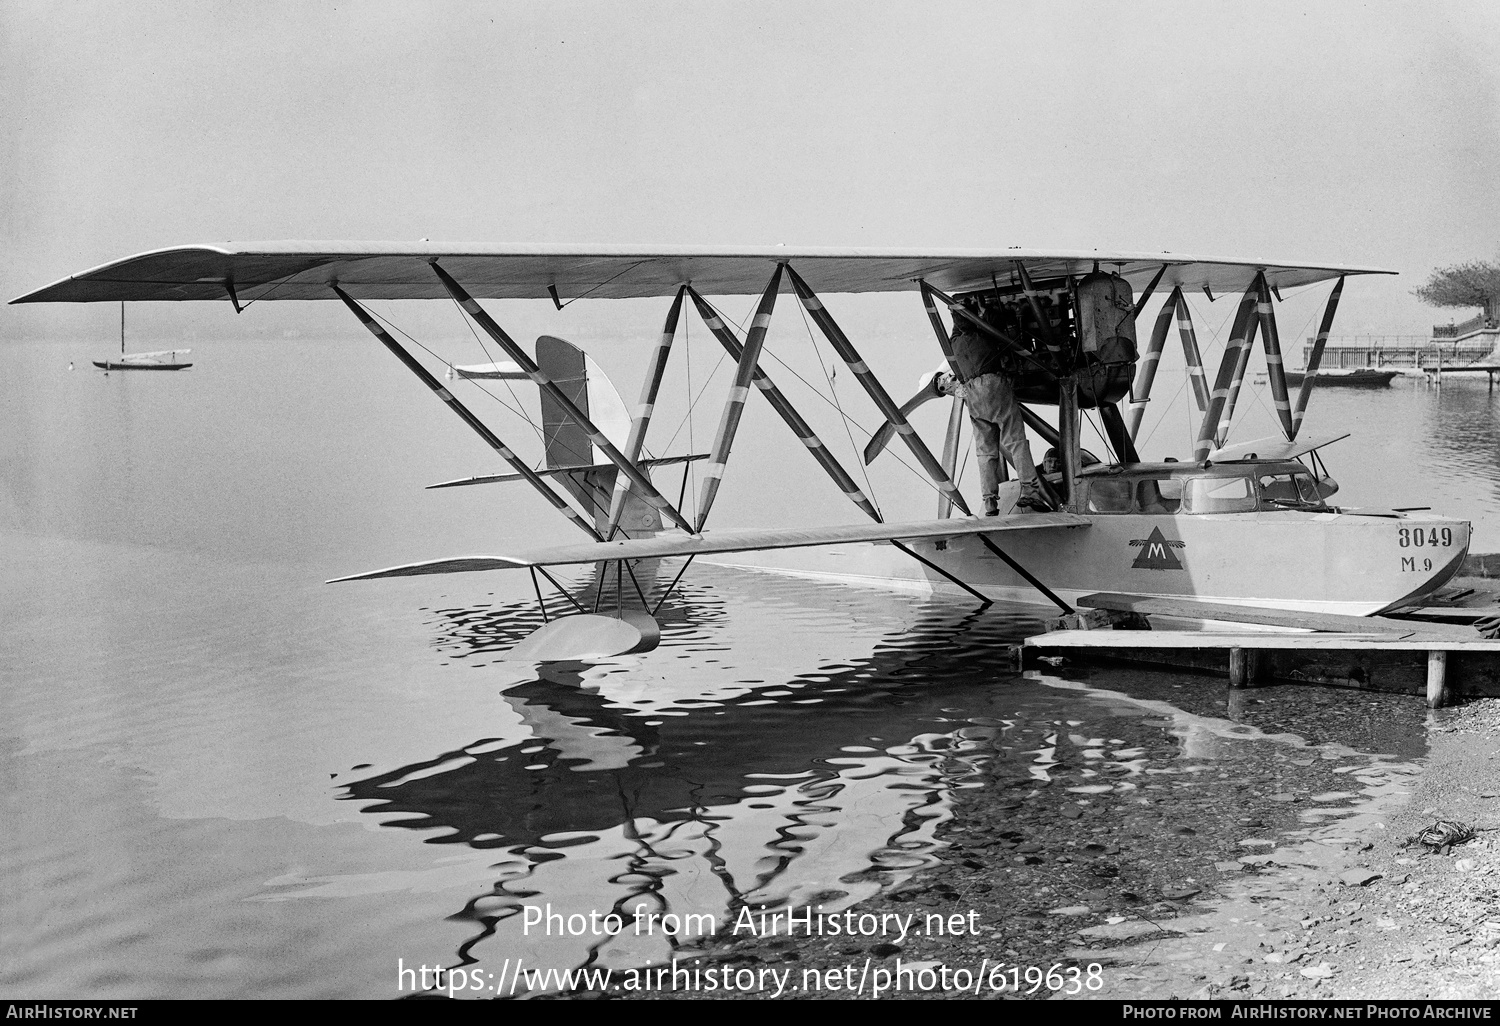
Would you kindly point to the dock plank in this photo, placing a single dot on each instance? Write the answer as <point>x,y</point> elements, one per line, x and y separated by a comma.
<point>1191,609</point>
<point>1261,640</point>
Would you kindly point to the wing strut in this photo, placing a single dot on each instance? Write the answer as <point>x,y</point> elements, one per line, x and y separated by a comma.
<point>875,389</point>
<point>1190,352</point>
<point>642,418</point>
<point>628,467</point>
<point>1239,340</point>
<point>1145,375</point>
<point>1271,341</point>
<point>1252,295</point>
<point>1140,304</point>
<point>1317,355</point>
<point>956,410</point>
<point>779,402</point>
<point>734,408</point>
<point>468,418</point>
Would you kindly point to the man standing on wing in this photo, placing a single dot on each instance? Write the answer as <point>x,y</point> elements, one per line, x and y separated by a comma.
<point>988,370</point>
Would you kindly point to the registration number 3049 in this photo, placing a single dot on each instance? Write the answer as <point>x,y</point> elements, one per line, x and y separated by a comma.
<point>1418,537</point>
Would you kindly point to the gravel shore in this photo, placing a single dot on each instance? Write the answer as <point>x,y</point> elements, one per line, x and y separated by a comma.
<point>1236,885</point>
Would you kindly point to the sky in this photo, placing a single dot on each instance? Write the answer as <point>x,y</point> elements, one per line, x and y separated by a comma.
<point>1356,133</point>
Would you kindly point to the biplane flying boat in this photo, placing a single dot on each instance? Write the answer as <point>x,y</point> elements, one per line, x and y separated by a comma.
<point>1245,524</point>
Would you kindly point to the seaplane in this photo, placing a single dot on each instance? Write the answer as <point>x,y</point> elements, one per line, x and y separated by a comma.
<point>1226,525</point>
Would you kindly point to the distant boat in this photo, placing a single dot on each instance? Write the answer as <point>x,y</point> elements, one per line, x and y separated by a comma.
<point>162,359</point>
<point>1358,377</point>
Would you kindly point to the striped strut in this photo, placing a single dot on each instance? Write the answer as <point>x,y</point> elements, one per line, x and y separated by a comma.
<point>478,426</point>
<point>874,388</point>
<point>1145,375</point>
<point>1244,362</point>
<point>642,418</point>
<point>1216,399</point>
<point>1190,352</point>
<point>787,411</point>
<point>1270,340</point>
<point>734,407</point>
<point>1316,357</point>
<point>627,467</point>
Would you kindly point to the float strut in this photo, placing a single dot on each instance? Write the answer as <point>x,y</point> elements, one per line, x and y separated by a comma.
<point>657,608</point>
<point>468,418</point>
<point>538,589</point>
<point>565,592</point>
<point>734,408</point>
<point>779,402</point>
<point>875,389</point>
<point>601,441</point>
<point>929,563</point>
<point>1316,357</point>
<point>1025,574</point>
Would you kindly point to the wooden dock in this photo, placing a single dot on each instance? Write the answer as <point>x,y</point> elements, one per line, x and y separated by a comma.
<point>1440,660</point>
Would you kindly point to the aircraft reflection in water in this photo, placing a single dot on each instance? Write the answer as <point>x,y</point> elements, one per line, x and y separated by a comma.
<point>702,794</point>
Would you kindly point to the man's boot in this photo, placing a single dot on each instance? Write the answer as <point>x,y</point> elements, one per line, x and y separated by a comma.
<point>1031,498</point>
<point>992,505</point>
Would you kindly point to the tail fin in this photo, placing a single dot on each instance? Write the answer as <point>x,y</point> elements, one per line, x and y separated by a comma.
<point>568,445</point>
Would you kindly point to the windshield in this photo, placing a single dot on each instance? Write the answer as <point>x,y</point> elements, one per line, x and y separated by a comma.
<point>1290,491</point>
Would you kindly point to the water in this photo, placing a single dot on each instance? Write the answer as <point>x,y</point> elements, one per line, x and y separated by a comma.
<point>222,778</point>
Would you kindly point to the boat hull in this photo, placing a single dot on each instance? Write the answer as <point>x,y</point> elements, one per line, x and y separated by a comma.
<point>1356,564</point>
<point>1352,379</point>
<point>111,365</point>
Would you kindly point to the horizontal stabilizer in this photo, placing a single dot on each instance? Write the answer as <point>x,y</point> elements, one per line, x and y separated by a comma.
<point>504,371</point>
<point>1273,448</point>
<point>676,543</point>
<point>554,471</point>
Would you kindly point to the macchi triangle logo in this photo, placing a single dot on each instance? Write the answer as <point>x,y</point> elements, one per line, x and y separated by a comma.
<point>1156,552</point>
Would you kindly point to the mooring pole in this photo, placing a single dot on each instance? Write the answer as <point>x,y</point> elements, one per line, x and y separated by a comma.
<point>1437,679</point>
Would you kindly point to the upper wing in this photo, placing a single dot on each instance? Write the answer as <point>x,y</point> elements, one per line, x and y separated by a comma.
<point>400,270</point>
<point>746,540</point>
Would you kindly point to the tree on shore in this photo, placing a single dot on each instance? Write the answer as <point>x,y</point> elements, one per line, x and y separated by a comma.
<point>1473,283</point>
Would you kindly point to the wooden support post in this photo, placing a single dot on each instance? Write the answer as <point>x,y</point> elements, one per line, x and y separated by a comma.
<point>1244,667</point>
<point>1437,679</point>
